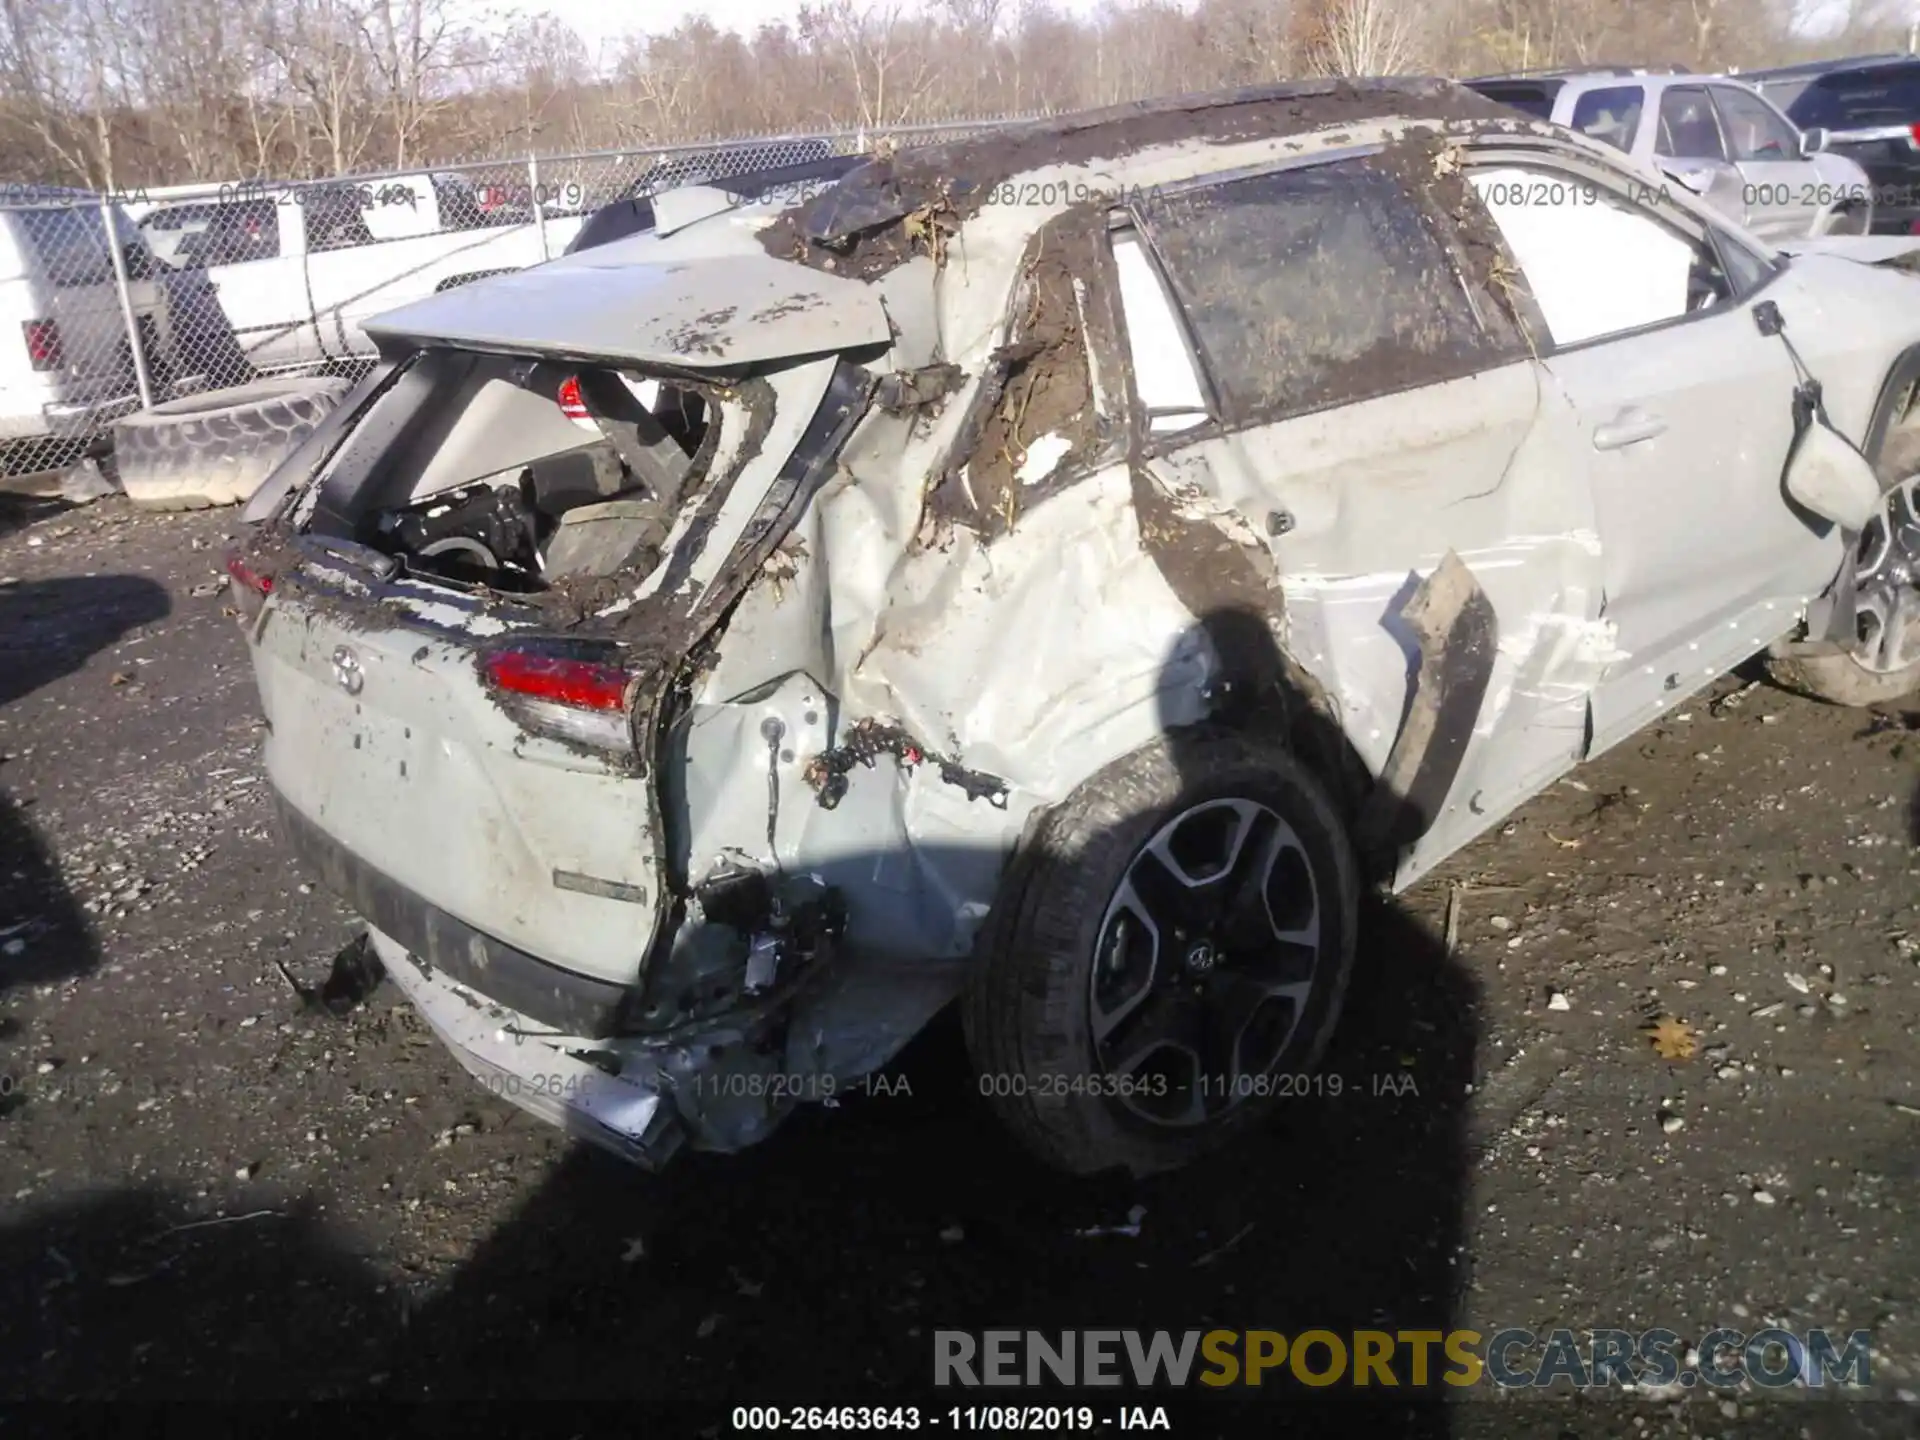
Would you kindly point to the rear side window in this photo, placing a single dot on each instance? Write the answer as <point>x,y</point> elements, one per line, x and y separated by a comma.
<point>1689,130</point>
<point>459,203</point>
<point>1860,100</point>
<point>335,219</point>
<point>234,234</point>
<point>1611,116</point>
<point>1313,287</point>
<point>180,217</point>
<point>68,244</point>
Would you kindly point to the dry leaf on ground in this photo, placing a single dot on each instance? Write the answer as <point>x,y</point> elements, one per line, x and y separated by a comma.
<point>1672,1039</point>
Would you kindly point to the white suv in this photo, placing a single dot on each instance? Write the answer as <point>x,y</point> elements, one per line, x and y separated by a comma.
<point>1716,136</point>
<point>66,358</point>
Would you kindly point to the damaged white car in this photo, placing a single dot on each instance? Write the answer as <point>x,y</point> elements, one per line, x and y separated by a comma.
<point>1056,570</point>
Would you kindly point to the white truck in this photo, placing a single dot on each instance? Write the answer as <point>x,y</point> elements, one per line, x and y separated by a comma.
<point>66,360</point>
<point>293,269</point>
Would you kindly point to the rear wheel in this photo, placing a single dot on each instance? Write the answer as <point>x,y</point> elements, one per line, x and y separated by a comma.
<point>1167,960</point>
<point>1883,661</point>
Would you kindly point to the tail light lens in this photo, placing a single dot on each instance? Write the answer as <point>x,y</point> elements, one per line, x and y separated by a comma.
<point>571,405</point>
<point>44,350</point>
<point>1914,131</point>
<point>250,587</point>
<point>575,691</point>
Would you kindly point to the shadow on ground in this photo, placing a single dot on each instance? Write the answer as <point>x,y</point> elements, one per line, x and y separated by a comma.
<point>50,628</point>
<point>818,1266</point>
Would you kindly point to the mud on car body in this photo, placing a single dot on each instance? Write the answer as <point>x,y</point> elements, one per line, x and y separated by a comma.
<point>703,658</point>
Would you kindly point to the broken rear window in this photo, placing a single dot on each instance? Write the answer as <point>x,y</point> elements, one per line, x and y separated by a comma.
<point>1313,287</point>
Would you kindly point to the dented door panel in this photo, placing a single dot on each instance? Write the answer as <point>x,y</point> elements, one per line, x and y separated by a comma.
<point>1353,507</point>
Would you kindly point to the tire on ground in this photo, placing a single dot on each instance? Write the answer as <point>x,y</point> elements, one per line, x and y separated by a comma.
<point>1026,1006</point>
<point>1838,678</point>
<point>215,448</point>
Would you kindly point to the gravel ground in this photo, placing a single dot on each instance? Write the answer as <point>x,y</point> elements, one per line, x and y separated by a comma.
<point>214,1190</point>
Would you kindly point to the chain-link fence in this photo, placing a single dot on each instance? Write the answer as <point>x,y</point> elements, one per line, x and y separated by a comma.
<point>216,285</point>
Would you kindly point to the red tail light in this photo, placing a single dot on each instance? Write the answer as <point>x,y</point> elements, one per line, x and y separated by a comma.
<point>250,586</point>
<point>244,574</point>
<point>564,692</point>
<point>1914,131</point>
<point>44,349</point>
<point>571,405</point>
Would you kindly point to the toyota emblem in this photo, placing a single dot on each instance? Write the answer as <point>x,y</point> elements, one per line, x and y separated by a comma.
<point>346,670</point>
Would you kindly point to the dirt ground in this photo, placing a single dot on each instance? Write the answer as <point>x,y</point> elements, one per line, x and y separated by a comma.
<point>214,1191</point>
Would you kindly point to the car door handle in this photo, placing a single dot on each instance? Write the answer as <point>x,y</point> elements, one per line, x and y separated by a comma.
<point>1629,427</point>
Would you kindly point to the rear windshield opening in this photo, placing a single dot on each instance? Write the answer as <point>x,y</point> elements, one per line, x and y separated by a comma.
<point>517,474</point>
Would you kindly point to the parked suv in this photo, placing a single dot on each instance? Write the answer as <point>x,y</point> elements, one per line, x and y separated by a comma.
<point>1050,569</point>
<point>1870,110</point>
<point>1718,137</point>
<point>66,361</point>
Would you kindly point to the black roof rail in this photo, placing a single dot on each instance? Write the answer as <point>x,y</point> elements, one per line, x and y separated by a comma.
<point>1821,67</point>
<point>1575,71</point>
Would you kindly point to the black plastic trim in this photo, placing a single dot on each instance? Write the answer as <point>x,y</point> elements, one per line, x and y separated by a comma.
<point>571,1003</point>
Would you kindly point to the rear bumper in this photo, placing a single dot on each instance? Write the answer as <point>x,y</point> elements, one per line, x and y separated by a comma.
<point>621,1113</point>
<point>30,416</point>
<point>558,999</point>
<point>81,419</point>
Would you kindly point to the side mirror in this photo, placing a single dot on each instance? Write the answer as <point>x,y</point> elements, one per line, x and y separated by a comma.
<point>1832,479</point>
<point>1813,141</point>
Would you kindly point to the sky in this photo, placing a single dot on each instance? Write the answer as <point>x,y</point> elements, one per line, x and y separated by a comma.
<point>598,21</point>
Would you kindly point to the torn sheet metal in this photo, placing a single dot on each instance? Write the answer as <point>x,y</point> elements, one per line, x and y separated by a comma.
<point>883,213</point>
<point>1456,633</point>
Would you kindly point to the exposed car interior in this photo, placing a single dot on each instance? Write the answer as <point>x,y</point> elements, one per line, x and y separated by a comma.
<point>515,472</point>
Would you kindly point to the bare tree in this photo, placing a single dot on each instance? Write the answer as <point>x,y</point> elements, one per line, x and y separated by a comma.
<point>1364,37</point>
<point>146,91</point>
<point>889,73</point>
<point>317,44</point>
<point>415,53</point>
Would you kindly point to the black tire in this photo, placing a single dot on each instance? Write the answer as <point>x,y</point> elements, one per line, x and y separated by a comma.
<point>1028,1007</point>
<point>1838,677</point>
<point>216,447</point>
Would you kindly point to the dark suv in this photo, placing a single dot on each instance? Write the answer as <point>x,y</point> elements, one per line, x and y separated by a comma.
<point>1870,109</point>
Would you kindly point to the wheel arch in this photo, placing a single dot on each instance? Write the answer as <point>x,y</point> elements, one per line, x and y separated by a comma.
<point>1896,400</point>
